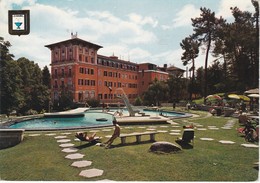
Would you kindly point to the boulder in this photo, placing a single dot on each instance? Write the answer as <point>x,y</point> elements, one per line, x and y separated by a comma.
<point>166,147</point>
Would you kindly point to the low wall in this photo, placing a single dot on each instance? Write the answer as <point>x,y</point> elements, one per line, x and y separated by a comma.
<point>10,137</point>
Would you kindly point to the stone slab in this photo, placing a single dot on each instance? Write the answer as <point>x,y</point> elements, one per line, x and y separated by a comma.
<point>207,139</point>
<point>177,134</point>
<point>34,135</point>
<point>175,130</point>
<point>69,150</point>
<point>250,145</point>
<point>164,126</point>
<point>226,142</point>
<point>63,140</point>
<point>214,128</point>
<point>80,164</point>
<point>66,145</point>
<point>162,131</point>
<point>66,133</point>
<point>60,137</point>
<point>50,134</point>
<point>91,173</point>
<point>75,156</point>
<point>201,129</point>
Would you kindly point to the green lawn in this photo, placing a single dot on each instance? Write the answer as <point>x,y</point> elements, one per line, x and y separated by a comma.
<point>40,158</point>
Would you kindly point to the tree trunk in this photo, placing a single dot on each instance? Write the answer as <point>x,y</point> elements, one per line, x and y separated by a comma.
<point>206,69</point>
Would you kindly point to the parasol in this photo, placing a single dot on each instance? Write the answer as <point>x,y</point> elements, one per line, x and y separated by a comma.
<point>245,98</point>
<point>253,95</point>
<point>233,96</point>
<point>214,96</point>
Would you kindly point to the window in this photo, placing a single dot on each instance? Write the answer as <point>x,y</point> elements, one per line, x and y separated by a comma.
<point>92,60</point>
<point>92,71</point>
<point>105,73</point>
<point>69,72</point>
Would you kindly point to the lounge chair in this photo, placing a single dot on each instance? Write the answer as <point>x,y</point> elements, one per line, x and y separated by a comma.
<point>187,137</point>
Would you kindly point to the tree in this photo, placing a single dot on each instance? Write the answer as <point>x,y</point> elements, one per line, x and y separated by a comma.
<point>10,80</point>
<point>205,28</point>
<point>46,77</point>
<point>191,51</point>
<point>156,92</point>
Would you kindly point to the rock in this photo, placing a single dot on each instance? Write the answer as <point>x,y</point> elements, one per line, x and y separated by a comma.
<point>166,147</point>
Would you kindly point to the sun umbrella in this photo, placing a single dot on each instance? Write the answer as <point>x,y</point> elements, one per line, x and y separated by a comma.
<point>234,96</point>
<point>243,97</point>
<point>255,91</point>
<point>214,96</point>
<point>253,95</point>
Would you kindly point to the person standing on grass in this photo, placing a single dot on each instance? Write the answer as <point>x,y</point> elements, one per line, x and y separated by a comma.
<point>115,134</point>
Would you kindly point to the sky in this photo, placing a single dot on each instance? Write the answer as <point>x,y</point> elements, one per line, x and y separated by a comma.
<point>139,31</point>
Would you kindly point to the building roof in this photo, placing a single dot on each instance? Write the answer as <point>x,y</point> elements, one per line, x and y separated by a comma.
<point>76,41</point>
<point>115,58</point>
<point>173,68</point>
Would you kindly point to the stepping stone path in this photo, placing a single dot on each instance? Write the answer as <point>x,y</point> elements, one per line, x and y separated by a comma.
<point>88,173</point>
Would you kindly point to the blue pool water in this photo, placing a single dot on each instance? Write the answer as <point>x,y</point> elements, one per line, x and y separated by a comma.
<point>89,120</point>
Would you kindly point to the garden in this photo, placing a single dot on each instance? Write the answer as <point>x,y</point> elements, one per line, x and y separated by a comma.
<point>39,156</point>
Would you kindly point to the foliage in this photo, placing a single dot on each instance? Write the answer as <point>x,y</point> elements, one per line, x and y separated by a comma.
<point>138,101</point>
<point>234,46</point>
<point>22,87</point>
<point>205,29</point>
<point>41,159</point>
<point>177,87</point>
<point>93,102</point>
<point>157,92</point>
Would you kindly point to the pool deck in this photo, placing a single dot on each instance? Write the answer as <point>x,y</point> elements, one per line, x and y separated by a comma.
<point>70,113</point>
<point>126,120</point>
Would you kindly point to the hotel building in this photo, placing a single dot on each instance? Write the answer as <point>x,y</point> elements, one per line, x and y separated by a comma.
<point>77,67</point>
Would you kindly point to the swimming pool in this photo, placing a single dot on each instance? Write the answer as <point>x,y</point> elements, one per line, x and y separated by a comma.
<point>91,118</point>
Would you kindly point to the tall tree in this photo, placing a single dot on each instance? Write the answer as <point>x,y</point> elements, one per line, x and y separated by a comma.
<point>191,51</point>
<point>205,28</point>
<point>10,80</point>
<point>46,77</point>
<point>156,92</point>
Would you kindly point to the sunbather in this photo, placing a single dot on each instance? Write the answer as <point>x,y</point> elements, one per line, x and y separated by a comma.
<point>84,137</point>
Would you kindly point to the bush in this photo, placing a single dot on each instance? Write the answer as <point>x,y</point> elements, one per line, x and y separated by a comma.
<point>138,101</point>
<point>93,102</point>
